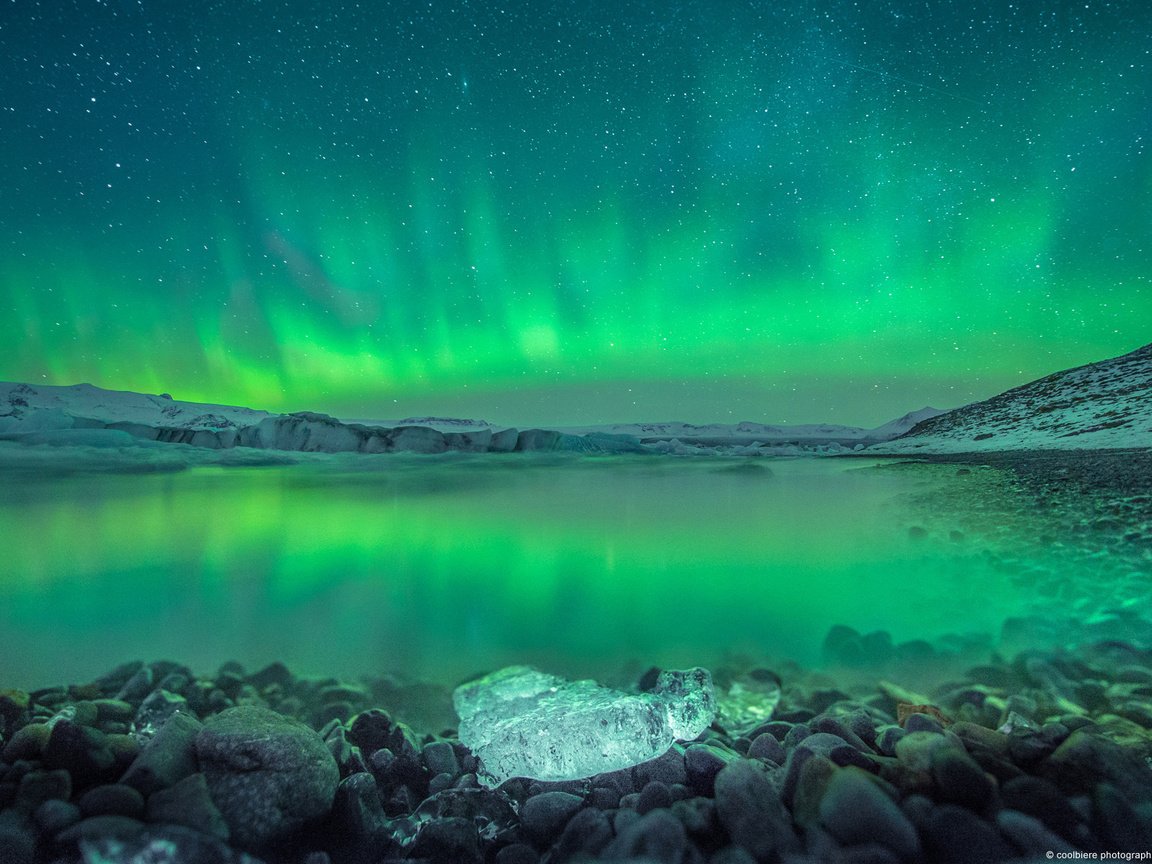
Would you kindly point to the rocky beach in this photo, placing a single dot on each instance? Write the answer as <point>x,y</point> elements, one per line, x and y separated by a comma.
<point>1016,759</point>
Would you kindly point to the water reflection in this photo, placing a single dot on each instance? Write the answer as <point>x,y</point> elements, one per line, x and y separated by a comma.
<point>444,566</point>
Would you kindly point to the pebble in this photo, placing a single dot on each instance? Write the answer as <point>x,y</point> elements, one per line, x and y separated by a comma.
<point>668,768</point>
<point>655,837</point>
<point>960,780</point>
<point>517,853</point>
<point>36,787</point>
<point>167,757</point>
<point>17,842</point>
<point>114,799</point>
<point>1117,821</point>
<point>26,742</point>
<point>698,815</point>
<point>188,802</point>
<point>586,834</point>
<point>451,838</point>
<point>749,808</point>
<point>811,785</point>
<point>653,796</point>
<point>955,835</point>
<point>703,762</point>
<point>887,738</point>
<point>1086,759</point>
<point>119,827</point>
<point>1037,797</point>
<point>441,758</point>
<point>1030,836</point>
<point>81,750</point>
<point>916,749</point>
<point>55,815</point>
<point>855,810</point>
<point>922,723</point>
<point>544,816</point>
<point>767,748</point>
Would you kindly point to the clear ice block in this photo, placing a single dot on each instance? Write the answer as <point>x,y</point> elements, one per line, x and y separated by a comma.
<point>524,723</point>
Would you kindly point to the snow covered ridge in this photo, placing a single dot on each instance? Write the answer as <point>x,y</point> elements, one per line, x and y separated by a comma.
<point>1103,405</point>
<point>86,415</point>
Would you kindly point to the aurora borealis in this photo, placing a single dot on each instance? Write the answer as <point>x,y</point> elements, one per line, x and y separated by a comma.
<point>560,212</point>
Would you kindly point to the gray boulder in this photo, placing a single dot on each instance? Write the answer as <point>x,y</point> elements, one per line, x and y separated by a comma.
<point>269,775</point>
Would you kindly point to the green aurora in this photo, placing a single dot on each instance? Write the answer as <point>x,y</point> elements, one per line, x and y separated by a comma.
<point>557,212</point>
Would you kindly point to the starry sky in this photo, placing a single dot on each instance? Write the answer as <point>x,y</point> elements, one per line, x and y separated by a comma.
<point>537,211</point>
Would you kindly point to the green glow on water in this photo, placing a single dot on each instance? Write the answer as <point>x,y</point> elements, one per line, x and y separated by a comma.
<point>442,567</point>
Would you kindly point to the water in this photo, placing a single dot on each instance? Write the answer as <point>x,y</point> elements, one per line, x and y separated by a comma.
<point>440,567</point>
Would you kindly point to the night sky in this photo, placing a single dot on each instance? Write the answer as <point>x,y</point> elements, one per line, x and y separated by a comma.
<point>559,212</point>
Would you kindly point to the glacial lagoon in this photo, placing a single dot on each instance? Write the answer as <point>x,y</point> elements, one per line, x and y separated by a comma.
<point>438,567</point>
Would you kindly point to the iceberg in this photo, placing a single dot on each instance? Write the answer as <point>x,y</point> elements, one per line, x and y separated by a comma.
<point>520,722</point>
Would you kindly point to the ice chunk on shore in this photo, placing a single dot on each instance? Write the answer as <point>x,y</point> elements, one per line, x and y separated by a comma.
<point>524,723</point>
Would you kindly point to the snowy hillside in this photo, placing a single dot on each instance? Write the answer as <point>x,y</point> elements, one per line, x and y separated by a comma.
<point>26,408</point>
<point>801,434</point>
<point>1099,406</point>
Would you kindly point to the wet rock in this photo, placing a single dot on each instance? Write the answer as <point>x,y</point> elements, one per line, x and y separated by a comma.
<point>17,841</point>
<point>167,758</point>
<point>832,726</point>
<point>166,843</point>
<point>517,853</point>
<point>855,810</point>
<point>749,808</point>
<point>374,729</point>
<point>114,799</point>
<point>27,742</point>
<point>81,750</point>
<point>698,815</point>
<point>917,722</point>
<point>348,757</point>
<point>544,816</point>
<point>703,762</point>
<point>795,735</point>
<point>1117,822</point>
<point>668,768</point>
<point>101,828</point>
<point>975,736</point>
<point>916,749</point>
<point>731,855</point>
<point>36,787</point>
<point>811,786</point>
<point>657,837</point>
<point>955,835</point>
<point>959,780</point>
<point>54,815</point>
<point>766,748</point>
<point>440,758</point>
<point>357,824</point>
<point>113,710</point>
<point>13,711</point>
<point>267,774</point>
<point>1029,835</point>
<point>451,839</point>
<point>653,796</point>
<point>1037,797</point>
<point>272,674</point>
<point>156,710</point>
<point>585,835</point>
<point>188,803</point>
<point>1086,759</point>
<point>489,810</point>
<point>887,738</point>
